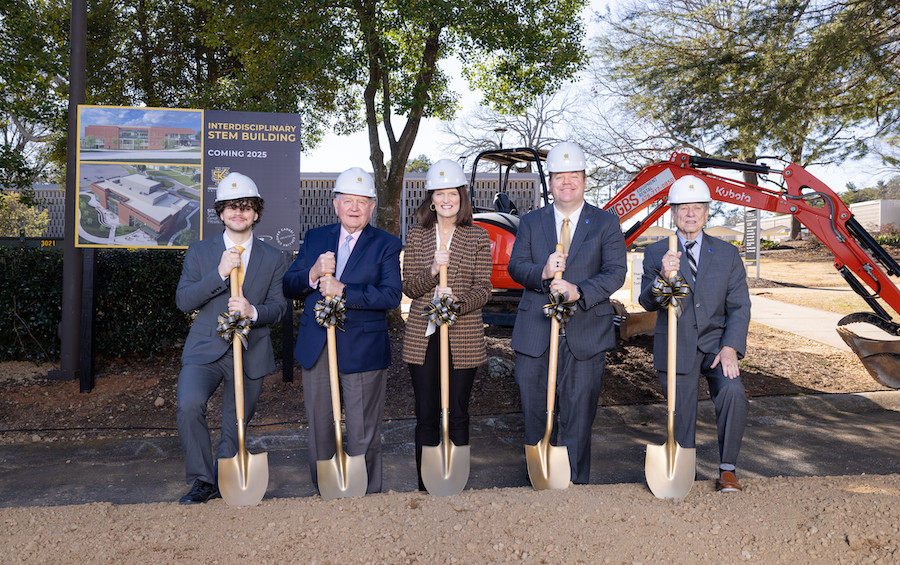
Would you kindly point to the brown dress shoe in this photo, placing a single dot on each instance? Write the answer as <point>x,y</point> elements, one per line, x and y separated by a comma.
<point>727,482</point>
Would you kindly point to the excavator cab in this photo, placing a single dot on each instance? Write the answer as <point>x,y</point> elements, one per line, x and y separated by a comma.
<point>502,222</point>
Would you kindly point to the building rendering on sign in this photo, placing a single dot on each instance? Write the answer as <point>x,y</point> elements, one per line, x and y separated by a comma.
<point>140,201</point>
<point>138,137</point>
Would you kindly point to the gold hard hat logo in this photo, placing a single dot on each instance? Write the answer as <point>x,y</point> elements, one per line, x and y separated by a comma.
<point>358,179</point>
<point>442,173</point>
<point>565,155</point>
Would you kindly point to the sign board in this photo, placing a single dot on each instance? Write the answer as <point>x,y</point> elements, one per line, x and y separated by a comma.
<point>147,176</point>
<point>751,236</point>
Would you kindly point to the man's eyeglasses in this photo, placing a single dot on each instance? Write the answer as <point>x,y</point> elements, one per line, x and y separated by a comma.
<point>242,205</point>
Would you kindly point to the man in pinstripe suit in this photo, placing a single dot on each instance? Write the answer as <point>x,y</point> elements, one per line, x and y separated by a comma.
<point>593,267</point>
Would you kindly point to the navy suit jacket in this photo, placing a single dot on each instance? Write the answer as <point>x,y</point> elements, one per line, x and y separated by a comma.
<point>201,288</point>
<point>373,286</point>
<point>715,314</point>
<point>596,264</point>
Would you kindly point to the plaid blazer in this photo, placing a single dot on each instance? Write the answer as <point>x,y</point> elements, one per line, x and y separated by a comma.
<point>468,274</point>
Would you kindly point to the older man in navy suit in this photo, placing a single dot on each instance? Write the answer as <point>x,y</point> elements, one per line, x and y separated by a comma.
<point>207,358</point>
<point>593,266</point>
<point>365,262</point>
<point>712,329</point>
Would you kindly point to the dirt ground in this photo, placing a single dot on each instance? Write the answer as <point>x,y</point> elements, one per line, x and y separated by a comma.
<point>778,520</point>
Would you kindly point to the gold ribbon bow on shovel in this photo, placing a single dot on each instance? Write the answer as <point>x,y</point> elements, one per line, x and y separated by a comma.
<point>343,475</point>
<point>669,468</point>
<point>548,465</point>
<point>445,467</point>
<point>244,478</point>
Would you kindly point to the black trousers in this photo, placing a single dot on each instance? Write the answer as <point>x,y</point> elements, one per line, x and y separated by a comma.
<point>426,380</point>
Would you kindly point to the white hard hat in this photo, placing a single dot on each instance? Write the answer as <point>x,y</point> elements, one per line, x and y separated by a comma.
<point>355,181</point>
<point>234,186</point>
<point>445,174</point>
<point>566,157</point>
<point>689,189</point>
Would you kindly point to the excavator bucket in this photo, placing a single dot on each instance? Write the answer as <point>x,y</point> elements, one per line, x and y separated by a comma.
<point>880,357</point>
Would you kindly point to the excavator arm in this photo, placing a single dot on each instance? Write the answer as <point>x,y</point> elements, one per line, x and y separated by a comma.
<point>863,263</point>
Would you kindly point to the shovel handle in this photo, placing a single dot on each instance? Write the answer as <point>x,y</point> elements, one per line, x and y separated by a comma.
<point>334,383</point>
<point>445,348</point>
<point>672,347</point>
<point>238,358</point>
<point>554,359</point>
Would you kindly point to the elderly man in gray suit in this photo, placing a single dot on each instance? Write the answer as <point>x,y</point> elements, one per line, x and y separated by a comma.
<point>593,266</point>
<point>207,358</point>
<point>712,329</point>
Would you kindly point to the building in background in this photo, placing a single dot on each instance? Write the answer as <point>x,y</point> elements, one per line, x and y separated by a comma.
<point>140,201</point>
<point>130,138</point>
<point>875,215</point>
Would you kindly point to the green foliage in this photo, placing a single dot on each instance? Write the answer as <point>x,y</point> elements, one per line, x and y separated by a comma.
<point>739,78</point>
<point>135,297</point>
<point>889,190</point>
<point>420,164</point>
<point>890,239</point>
<point>30,304</point>
<point>135,313</point>
<point>17,217</point>
<point>768,244</point>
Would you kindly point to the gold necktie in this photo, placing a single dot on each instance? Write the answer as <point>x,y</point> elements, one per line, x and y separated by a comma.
<point>240,269</point>
<point>565,236</point>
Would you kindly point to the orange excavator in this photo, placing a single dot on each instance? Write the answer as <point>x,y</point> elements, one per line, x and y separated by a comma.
<point>858,257</point>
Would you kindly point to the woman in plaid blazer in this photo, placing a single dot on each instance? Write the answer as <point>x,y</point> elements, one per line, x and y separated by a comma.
<point>445,218</point>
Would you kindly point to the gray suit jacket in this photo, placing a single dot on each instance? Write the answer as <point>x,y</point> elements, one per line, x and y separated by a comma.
<point>596,264</point>
<point>715,314</point>
<point>201,288</point>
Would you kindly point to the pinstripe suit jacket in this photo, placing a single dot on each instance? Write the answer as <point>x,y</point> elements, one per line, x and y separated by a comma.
<point>596,264</point>
<point>468,274</point>
<point>717,311</point>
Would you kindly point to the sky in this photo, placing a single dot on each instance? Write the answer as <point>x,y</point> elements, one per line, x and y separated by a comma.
<point>337,153</point>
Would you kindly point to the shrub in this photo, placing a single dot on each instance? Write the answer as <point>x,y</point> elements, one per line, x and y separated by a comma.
<point>31,302</point>
<point>134,303</point>
<point>135,313</point>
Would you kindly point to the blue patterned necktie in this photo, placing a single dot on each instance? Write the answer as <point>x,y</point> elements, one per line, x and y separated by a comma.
<point>689,247</point>
<point>343,256</point>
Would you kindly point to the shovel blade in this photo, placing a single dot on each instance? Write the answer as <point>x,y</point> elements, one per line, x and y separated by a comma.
<point>670,473</point>
<point>244,484</point>
<point>548,466</point>
<point>342,476</point>
<point>445,469</point>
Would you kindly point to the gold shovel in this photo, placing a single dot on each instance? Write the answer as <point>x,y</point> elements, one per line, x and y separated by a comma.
<point>243,479</point>
<point>670,469</point>
<point>548,465</point>
<point>342,476</point>
<point>445,467</point>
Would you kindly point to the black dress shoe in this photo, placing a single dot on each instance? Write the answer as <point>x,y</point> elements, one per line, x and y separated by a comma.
<point>200,493</point>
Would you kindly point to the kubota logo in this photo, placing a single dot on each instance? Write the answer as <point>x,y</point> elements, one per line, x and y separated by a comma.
<point>732,195</point>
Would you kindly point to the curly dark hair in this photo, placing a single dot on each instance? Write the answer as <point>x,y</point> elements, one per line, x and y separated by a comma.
<point>253,202</point>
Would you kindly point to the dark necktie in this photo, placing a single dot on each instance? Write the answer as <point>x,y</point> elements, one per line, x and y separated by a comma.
<point>689,247</point>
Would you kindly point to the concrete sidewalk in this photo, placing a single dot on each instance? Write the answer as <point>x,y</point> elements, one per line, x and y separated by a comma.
<point>837,434</point>
<point>811,323</point>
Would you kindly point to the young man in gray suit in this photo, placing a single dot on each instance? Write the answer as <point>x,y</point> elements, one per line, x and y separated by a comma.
<point>712,329</point>
<point>593,267</point>
<point>207,358</point>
